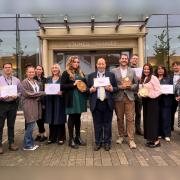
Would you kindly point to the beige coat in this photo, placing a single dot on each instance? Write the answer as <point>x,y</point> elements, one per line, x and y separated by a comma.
<point>31,103</point>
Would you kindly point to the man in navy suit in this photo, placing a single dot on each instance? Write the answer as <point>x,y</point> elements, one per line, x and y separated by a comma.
<point>102,105</point>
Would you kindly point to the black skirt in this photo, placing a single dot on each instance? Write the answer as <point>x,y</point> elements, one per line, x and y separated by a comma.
<point>150,118</point>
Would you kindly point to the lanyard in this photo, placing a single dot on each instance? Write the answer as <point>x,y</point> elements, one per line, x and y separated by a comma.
<point>8,81</point>
<point>34,86</point>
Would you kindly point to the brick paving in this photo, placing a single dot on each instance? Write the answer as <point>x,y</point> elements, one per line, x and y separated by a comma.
<point>120,155</point>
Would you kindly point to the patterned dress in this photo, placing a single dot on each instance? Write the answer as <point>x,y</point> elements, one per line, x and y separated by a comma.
<point>177,93</point>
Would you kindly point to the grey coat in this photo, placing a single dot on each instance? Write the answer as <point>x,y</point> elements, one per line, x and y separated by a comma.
<point>130,92</point>
<point>31,103</point>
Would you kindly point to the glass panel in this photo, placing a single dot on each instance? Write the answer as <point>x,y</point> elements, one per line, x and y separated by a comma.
<point>59,58</point>
<point>8,49</point>
<point>7,23</point>
<point>156,40</point>
<point>174,20</point>
<point>174,43</point>
<point>157,21</point>
<point>28,24</point>
<point>29,50</point>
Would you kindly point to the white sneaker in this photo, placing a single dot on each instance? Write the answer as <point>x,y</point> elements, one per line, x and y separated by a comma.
<point>159,137</point>
<point>132,144</point>
<point>167,139</point>
<point>31,148</point>
<point>120,140</point>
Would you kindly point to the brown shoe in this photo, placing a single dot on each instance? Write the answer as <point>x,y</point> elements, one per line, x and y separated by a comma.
<point>1,150</point>
<point>13,147</point>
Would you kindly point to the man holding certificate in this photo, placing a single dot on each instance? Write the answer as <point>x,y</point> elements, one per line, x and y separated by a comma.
<point>101,86</point>
<point>124,100</point>
<point>9,85</point>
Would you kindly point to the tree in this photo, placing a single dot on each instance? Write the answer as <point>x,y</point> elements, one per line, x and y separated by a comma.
<point>161,49</point>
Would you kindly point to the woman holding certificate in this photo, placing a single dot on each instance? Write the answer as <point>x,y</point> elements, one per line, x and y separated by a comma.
<point>150,91</point>
<point>31,105</point>
<point>55,110</point>
<point>73,81</point>
<point>165,103</point>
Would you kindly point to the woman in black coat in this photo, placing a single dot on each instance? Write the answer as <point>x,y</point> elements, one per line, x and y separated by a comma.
<point>165,103</point>
<point>41,136</point>
<point>55,110</point>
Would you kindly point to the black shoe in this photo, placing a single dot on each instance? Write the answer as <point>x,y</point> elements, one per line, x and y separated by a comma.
<point>154,145</point>
<point>73,145</point>
<point>50,142</point>
<point>97,147</point>
<point>79,141</point>
<point>60,142</point>
<point>139,132</point>
<point>43,138</point>
<point>38,137</point>
<point>107,147</point>
<point>148,143</point>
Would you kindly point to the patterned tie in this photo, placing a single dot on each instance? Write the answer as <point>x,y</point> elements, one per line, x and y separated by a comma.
<point>102,93</point>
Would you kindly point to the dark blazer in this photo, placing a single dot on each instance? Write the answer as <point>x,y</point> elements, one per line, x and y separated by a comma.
<point>67,88</point>
<point>109,95</point>
<point>55,109</point>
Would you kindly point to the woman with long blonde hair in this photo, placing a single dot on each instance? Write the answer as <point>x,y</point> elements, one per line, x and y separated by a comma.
<point>55,110</point>
<point>75,100</point>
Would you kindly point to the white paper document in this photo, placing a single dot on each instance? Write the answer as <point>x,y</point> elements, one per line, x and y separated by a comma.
<point>10,90</point>
<point>100,82</point>
<point>138,71</point>
<point>52,89</point>
<point>167,89</point>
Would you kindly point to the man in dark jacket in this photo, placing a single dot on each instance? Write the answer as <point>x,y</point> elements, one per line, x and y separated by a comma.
<point>102,105</point>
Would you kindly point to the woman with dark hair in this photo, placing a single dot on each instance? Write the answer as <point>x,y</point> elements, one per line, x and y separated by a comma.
<point>150,92</point>
<point>41,136</point>
<point>165,102</point>
<point>75,99</point>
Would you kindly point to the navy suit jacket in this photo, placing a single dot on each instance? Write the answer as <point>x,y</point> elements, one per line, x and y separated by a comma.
<point>109,95</point>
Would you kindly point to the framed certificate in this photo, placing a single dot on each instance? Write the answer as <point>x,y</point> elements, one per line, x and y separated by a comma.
<point>167,89</point>
<point>52,89</point>
<point>100,82</point>
<point>10,90</point>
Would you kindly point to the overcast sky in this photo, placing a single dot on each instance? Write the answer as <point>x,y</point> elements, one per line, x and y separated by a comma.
<point>79,7</point>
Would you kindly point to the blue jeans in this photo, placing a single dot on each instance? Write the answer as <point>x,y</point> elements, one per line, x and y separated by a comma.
<point>28,138</point>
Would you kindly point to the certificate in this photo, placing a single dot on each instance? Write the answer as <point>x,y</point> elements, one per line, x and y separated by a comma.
<point>138,71</point>
<point>99,82</point>
<point>167,89</point>
<point>10,90</point>
<point>52,89</point>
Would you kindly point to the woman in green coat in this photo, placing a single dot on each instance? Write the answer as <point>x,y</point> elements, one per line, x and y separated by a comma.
<point>75,99</point>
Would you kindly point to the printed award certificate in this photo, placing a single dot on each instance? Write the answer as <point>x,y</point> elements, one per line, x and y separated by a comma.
<point>52,89</point>
<point>167,89</point>
<point>10,90</point>
<point>100,82</point>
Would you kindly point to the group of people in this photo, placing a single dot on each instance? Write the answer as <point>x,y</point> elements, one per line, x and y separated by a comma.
<point>122,93</point>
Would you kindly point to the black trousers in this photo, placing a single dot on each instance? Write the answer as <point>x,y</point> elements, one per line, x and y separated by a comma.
<point>74,121</point>
<point>102,119</point>
<point>138,108</point>
<point>40,123</point>
<point>8,111</point>
<point>57,132</point>
<point>173,111</point>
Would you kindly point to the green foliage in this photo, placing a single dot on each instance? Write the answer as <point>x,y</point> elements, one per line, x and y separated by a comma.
<point>161,49</point>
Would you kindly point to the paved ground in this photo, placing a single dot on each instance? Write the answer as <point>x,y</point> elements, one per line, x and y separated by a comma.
<point>120,155</point>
